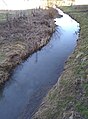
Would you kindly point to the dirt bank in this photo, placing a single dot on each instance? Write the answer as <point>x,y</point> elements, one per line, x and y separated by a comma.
<point>22,33</point>
<point>68,99</point>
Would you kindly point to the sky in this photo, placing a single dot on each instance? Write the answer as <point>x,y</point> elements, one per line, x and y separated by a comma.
<point>81,2</point>
<point>19,4</point>
<point>27,4</point>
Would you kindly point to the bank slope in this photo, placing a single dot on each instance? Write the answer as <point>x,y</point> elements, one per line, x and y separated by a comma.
<point>21,34</point>
<point>68,99</point>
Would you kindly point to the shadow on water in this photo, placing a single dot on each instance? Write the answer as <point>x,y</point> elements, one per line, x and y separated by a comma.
<point>1,92</point>
<point>31,80</point>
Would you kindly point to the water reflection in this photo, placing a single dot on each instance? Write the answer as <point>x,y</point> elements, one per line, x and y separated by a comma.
<point>1,91</point>
<point>66,22</point>
<point>36,58</point>
<point>32,79</point>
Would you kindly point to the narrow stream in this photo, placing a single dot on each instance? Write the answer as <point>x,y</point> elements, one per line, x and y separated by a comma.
<point>31,80</point>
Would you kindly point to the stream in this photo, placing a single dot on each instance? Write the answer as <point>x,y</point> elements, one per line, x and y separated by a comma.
<point>30,81</point>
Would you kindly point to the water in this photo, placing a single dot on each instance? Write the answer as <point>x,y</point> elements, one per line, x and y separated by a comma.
<point>31,80</point>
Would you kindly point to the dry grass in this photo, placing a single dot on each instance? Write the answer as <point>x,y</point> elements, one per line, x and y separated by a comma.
<point>21,36</point>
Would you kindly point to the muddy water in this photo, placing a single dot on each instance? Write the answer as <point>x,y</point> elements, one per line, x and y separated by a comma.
<point>31,80</point>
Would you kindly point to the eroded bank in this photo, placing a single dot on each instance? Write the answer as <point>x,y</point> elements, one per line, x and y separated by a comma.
<point>21,34</point>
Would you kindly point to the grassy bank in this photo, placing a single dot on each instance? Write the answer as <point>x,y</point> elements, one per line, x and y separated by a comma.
<point>21,34</point>
<point>68,99</point>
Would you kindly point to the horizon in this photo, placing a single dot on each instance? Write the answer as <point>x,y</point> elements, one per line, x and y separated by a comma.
<point>27,4</point>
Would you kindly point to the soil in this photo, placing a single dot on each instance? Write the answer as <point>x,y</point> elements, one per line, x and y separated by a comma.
<point>21,34</point>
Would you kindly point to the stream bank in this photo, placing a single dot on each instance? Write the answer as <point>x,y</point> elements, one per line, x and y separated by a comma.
<point>21,34</point>
<point>68,99</point>
<point>31,80</point>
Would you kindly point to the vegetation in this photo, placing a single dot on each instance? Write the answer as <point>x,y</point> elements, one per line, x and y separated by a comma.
<point>50,3</point>
<point>22,33</point>
<point>68,99</point>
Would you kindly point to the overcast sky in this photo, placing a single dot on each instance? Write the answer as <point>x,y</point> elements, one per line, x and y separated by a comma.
<point>81,2</point>
<point>25,4</point>
<point>19,4</point>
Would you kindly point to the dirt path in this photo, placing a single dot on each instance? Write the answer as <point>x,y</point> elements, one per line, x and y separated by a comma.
<point>20,36</point>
